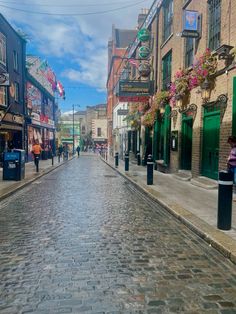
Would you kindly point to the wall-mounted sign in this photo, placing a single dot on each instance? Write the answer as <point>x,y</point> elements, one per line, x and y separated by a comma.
<point>190,24</point>
<point>144,52</point>
<point>144,69</point>
<point>122,112</point>
<point>4,79</point>
<point>144,35</point>
<point>135,88</point>
<point>133,98</point>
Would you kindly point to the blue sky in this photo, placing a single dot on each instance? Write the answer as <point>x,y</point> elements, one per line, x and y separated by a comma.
<point>72,35</point>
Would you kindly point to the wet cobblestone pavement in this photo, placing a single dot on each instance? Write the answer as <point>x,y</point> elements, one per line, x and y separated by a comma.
<point>83,240</point>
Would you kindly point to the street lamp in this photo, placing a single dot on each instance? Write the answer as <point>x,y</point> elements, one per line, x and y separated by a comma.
<point>73,128</point>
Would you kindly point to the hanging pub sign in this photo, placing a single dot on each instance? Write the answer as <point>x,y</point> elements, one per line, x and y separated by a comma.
<point>135,88</point>
<point>144,34</point>
<point>4,79</point>
<point>144,52</point>
<point>190,24</point>
<point>144,69</point>
<point>143,99</point>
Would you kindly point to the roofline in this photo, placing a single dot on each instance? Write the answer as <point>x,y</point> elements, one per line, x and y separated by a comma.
<point>8,23</point>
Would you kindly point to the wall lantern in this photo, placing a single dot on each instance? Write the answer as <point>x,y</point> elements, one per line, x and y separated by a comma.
<point>179,101</point>
<point>144,35</point>
<point>206,90</point>
<point>144,52</point>
<point>223,52</point>
<point>144,69</point>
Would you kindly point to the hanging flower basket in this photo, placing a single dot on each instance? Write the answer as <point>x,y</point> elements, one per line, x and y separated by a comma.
<point>148,119</point>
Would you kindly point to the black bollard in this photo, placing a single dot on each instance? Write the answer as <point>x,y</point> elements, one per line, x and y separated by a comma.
<point>116,160</point>
<point>225,200</point>
<point>52,160</point>
<point>138,159</point>
<point>126,161</point>
<point>59,158</point>
<point>149,170</point>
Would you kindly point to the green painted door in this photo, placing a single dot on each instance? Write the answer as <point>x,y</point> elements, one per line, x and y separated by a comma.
<point>210,152</point>
<point>186,143</point>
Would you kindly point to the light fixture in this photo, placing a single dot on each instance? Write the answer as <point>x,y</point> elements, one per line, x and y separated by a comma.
<point>162,110</point>
<point>223,52</point>
<point>206,90</point>
<point>179,101</point>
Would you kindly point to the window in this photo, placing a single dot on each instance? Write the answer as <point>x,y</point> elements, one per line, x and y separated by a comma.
<point>83,129</point>
<point>2,49</point>
<point>16,85</point>
<point>214,9</point>
<point>3,96</point>
<point>15,60</point>
<point>166,71</point>
<point>167,19</point>
<point>188,52</point>
<point>99,132</point>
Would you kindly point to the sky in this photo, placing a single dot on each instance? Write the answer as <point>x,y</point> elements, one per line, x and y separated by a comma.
<point>72,35</point>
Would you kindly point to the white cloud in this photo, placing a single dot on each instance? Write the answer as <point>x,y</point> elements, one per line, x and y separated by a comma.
<point>83,39</point>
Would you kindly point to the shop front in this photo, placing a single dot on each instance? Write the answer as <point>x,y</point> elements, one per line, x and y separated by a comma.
<point>11,133</point>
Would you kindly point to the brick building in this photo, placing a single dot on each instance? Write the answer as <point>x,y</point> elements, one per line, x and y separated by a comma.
<point>117,49</point>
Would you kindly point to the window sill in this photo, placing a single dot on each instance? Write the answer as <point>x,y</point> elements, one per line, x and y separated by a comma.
<point>166,41</point>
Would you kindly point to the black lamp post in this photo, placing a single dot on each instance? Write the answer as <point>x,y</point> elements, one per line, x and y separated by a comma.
<point>73,126</point>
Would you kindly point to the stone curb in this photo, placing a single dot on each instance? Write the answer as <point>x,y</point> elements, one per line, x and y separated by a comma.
<point>30,180</point>
<point>215,238</point>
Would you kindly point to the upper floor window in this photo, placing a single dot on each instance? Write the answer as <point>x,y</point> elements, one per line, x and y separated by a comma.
<point>83,129</point>
<point>3,96</point>
<point>15,60</point>
<point>2,49</point>
<point>214,9</point>
<point>167,19</point>
<point>166,70</point>
<point>16,97</point>
<point>99,132</point>
<point>189,52</point>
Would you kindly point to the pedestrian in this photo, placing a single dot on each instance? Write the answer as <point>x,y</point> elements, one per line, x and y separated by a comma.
<point>231,163</point>
<point>36,151</point>
<point>78,150</point>
<point>60,150</point>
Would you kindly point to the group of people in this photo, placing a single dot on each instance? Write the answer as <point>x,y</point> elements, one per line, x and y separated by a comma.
<point>231,162</point>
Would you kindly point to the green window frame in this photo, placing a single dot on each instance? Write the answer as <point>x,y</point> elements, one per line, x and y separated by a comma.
<point>167,19</point>
<point>214,13</point>
<point>189,51</point>
<point>166,70</point>
<point>3,49</point>
<point>15,61</point>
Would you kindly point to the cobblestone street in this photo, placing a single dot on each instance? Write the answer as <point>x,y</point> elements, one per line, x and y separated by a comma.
<point>82,239</point>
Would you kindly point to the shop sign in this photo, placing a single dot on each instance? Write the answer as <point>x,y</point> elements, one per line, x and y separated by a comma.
<point>135,88</point>
<point>190,24</point>
<point>8,117</point>
<point>144,52</point>
<point>144,35</point>
<point>51,122</point>
<point>134,98</point>
<point>4,79</point>
<point>122,112</point>
<point>43,118</point>
<point>35,116</point>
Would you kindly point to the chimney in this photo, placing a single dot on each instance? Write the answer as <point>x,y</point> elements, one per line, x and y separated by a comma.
<point>142,17</point>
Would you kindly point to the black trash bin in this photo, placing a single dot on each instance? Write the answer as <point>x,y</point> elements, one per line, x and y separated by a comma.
<point>21,168</point>
<point>14,165</point>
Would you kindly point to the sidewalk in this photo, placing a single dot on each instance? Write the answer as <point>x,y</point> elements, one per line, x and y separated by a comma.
<point>8,187</point>
<point>194,206</point>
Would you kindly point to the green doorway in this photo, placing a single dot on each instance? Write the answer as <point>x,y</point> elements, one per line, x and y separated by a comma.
<point>186,142</point>
<point>211,136</point>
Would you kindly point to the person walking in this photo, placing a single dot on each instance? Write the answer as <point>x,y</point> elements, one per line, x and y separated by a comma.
<point>231,162</point>
<point>36,151</point>
<point>78,150</point>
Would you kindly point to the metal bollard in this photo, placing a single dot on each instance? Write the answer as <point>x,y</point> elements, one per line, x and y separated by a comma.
<point>225,192</point>
<point>52,160</point>
<point>59,158</point>
<point>149,170</point>
<point>138,159</point>
<point>126,161</point>
<point>116,160</point>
